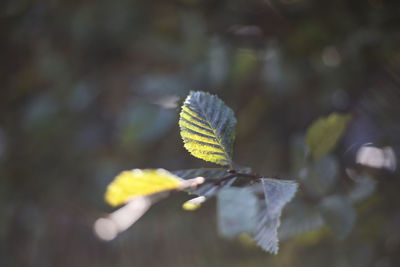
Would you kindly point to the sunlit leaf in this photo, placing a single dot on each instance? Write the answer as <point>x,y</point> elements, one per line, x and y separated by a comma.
<point>237,210</point>
<point>207,128</point>
<point>324,133</point>
<point>194,203</point>
<point>138,182</point>
<point>339,214</point>
<point>277,194</point>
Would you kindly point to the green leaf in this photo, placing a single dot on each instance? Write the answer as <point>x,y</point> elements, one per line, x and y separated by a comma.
<point>339,214</point>
<point>237,210</point>
<point>300,217</point>
<point>324,133</point>
<point>207,128</point>
<point>364,186</point>
<point>321,176</point>
<point>240,210</point>
<point>277,194</point>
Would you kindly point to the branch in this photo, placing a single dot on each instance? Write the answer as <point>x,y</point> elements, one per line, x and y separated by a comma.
<point>233,174</point>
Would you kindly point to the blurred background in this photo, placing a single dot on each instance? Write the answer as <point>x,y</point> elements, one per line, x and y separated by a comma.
<point>90,88</point>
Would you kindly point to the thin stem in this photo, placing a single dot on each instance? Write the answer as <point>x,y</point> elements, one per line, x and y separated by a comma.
<point>252,176</point>
<point>220,180</point>
<point>233,174</point>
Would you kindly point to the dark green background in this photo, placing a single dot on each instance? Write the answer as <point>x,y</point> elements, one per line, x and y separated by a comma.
<point>90,88</point>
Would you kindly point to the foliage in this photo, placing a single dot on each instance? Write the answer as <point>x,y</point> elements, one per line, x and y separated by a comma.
<point>138,182</point>
<point>247,203</point>
<point>277,195</point>
<point>91,88</point>
<point>207,130</point>
<point>324,133</point>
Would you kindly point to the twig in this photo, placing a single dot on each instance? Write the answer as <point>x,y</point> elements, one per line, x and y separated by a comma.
<point>233,174</point>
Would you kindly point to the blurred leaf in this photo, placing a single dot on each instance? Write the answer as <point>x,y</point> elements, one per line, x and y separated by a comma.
<point>277,193</point>
<point>194,203</point>
<point>138,182</point>
<point>298,152</point>
<point>207,128</point>
<point>40,111</point>
<point>364,186</point>
<point>218,62</point>
<point>244,62</point>
<point>324,133</point>
<point>246,240</point>
<point>301,218</point>
<point>237,210</point>
<point>321,176</point>
<point>267,233</point>
<point>339,214</point>
<point>144,123</point>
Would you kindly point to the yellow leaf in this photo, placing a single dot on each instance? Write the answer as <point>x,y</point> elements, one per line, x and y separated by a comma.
<point>138,182</point>
<point>324,133</point>
<point>194,203</point>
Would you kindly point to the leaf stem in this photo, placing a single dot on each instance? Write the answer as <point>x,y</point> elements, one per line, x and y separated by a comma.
<point>233,174</point>
<point>252,176</point>
<point>218,181</point>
